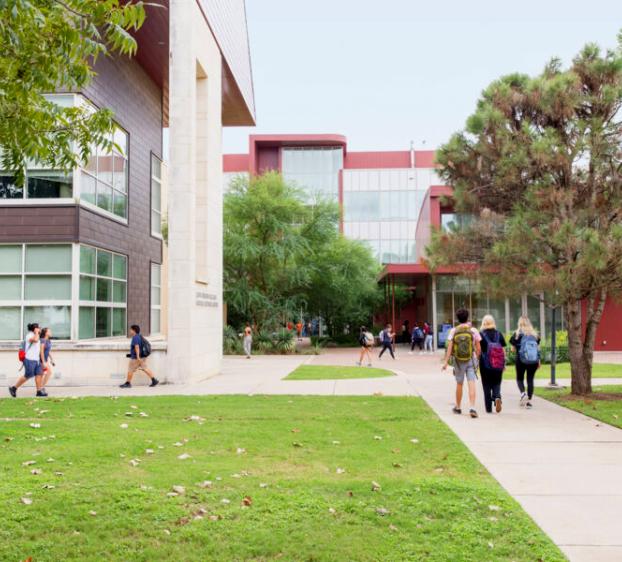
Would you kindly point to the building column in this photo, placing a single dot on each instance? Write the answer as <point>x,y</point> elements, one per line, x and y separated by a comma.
<point>434,313</point>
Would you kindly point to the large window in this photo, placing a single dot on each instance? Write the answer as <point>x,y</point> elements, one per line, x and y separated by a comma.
<point>315,170</point>
<point>103,294</point>
<point>156,298</point>
<point>104,179</point>
<point>156,196</point>
<point>35,286</point>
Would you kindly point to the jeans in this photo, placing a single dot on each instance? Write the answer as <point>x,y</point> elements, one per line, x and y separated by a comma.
<point>521,369</point>
<point>428,342</point>
<point>416,343</point>
<point>386,346</point>
<point>491,393</point>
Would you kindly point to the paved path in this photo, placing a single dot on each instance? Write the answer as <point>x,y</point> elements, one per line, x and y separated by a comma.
<point>565,469</point>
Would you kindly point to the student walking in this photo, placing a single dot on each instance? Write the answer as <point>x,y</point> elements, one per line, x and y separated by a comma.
<point>140,349</point>
<point>47,363</point>
<point>416,339</point>
<point>525,342</point>
<point>428,342</point>
<point>387,337</point>
<point>366,339</point>
<point>248,340</point>
<point>30,355</point>
<point>492,364</point>
<point>463,349</point>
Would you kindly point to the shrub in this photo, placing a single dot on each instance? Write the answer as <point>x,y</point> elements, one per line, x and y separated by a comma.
<point>284,342</point>
<point>262,342</point>
<point>231,343</point>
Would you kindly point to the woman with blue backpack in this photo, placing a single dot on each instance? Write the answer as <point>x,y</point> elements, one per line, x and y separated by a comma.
<point>492,363</point>
<point>526,344</point>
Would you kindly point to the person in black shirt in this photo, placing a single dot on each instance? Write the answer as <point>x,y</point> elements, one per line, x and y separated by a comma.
<point>491,377</point>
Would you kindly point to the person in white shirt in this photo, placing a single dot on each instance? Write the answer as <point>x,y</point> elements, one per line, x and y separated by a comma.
<point>32,362</point>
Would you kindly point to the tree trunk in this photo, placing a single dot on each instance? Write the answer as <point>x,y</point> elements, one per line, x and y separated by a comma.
<point>580,364</point>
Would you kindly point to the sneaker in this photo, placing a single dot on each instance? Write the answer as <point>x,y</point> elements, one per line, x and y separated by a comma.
<point>498,405</point>
<point>126,384</point>
<point>456,410</point>
<point>529,405</point>
<point>410,353</point>
<point>13,391</point>
<point>154,382</point>
<point>42,393</point>
<point>369,364</point>
<point>473,413</point>
<point>523,399</point>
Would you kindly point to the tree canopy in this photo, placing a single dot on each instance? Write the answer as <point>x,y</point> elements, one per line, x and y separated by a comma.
<point>283,254</point>
<point>47,46</point>
<point>538,168</point>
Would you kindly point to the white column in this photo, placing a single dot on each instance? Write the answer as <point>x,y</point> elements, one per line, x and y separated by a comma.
<point>434,313</point>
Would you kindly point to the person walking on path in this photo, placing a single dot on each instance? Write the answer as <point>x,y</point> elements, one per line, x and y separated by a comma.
<point>525,342</point>
<point>31,361</point>
<point>299,330</point>
<point>139,351</point>
<point>428,342</point>
<point>387,337</point>
<point>463,349</point>
<point>492,363</point>
<point>47,363</point>
<point>416,339</point>
<point>248,340</point>
<point>366,339</point>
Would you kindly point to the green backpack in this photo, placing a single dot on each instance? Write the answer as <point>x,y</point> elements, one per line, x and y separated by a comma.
<point>462,350</point>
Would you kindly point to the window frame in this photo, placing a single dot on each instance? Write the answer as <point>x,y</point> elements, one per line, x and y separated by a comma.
<point>154,233</point>
<point>153,307</point>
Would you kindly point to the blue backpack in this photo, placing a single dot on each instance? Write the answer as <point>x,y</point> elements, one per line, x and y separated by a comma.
<point>529,353</point>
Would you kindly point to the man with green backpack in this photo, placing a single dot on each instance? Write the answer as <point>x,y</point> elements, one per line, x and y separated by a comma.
<point>463,349</point>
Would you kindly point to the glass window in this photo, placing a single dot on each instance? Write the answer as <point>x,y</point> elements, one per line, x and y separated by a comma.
<point>47,287</point>
<point>10,319</point>
<point>156,297</point>
<point>103,322</point>
<point>119,292</point>
<point>87,259</point>
<point>10,287</point>
<point>156,196</point>
<point>119,270</point>
<point>10,259</point>
<point>49,184</point>
<point>8,188</point>
<point>58,318</point>
<point>48,259</point>
<point>118,322</point>
<point>104,290</point>
<point>104,263</point>
<point>88,189</point>
<point>314,170</point>
<point>87,288</point>
<point>87,323</point>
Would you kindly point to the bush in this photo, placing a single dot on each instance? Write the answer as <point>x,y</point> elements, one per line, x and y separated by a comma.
<point>561,354</point>
<point>284,342</point>
<point>231,342</point>
<point>262,342</point>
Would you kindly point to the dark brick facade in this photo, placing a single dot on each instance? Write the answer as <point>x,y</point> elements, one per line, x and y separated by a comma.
<point>123,86</point>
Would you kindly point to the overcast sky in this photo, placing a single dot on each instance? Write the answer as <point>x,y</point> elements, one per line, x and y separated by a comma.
<point>387,72</point>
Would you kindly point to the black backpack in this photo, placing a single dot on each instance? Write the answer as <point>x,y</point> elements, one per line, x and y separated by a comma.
<point>145,347</point>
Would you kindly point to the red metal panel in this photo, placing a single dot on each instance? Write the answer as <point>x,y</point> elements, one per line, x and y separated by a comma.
<point>361,160</point>
<point>235,163</point>
<point>267,159</point>
<point>608,334</point>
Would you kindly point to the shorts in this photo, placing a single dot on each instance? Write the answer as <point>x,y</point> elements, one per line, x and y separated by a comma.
<point>468,369</point>
<point>32,368</point>
<point>137,365</point>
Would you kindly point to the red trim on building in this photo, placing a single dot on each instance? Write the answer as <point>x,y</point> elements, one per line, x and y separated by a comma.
<point>340,201</point>
<point>361,160</point>
<point>235,162</point>
<point>425,159</point>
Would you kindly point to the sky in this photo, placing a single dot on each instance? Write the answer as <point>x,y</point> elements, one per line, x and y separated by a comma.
<point>385,73</point>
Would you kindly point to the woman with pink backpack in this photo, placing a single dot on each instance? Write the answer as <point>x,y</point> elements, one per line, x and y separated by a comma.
<point>492,363</point>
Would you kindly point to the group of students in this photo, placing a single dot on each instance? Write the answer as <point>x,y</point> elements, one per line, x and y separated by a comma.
<point>469,349</point>
<point>35,356</point>
<point>421,337</point>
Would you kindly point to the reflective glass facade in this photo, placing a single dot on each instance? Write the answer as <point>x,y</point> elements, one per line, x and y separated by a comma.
<point>313,169</point>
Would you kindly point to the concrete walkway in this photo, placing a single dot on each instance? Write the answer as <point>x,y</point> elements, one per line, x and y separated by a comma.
<point>564,468</point>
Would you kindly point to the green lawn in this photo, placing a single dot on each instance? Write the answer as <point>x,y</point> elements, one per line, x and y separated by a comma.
<point>603,405</point>
<point>324,372</point>
<point>599,371</point>
<point>305,465</point>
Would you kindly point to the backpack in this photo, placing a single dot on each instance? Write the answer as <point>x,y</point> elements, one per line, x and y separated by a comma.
<point>462,349</point>
<point>21,354</point>
<point>494,358</point>
<point>385,337</point>
<point>528,353</point>
<point>418,334</point>
<point>145,347</point>
<point>363,339</point>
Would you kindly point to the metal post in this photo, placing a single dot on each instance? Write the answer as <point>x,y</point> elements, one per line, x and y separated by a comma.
<point>553,345</point>
<point>434,315</point>
<point>393,301</point>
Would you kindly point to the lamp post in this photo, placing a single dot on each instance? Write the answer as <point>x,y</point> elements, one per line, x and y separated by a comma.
<point>553,346</point>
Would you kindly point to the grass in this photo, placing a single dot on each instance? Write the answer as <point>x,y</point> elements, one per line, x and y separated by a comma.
<point>599,371</point>
<point>605,404</point>
<point>324,372</point>
<point>281,452</point>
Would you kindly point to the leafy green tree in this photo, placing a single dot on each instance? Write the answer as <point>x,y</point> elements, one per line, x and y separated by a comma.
<point>283,254</point>
<point>47,46</point>
<point>539,169</point>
